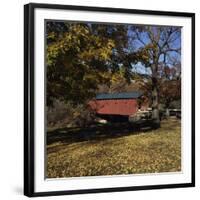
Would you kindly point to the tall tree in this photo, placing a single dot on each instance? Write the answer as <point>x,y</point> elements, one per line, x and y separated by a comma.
<point>82,56</point>
<point>158,45</point>
<point>76,61</point>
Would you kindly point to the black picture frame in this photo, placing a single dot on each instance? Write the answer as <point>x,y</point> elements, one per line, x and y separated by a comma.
<point>29,93</point>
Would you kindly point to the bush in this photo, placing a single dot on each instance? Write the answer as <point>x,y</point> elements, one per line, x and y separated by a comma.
<point>67,115</point>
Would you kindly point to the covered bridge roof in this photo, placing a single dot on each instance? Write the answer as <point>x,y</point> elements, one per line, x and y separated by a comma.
<point>122,95</point>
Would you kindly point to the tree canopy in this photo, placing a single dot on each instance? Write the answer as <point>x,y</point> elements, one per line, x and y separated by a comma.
<point>76,62</point>
<point>82,56</point>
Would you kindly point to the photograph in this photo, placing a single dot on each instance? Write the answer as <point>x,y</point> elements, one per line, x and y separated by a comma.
<point>108,99</point>
<point>112,99</point>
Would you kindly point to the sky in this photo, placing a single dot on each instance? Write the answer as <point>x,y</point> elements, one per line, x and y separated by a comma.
<point>144,39</point>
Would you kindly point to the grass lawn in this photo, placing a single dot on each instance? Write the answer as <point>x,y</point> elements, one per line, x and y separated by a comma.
<point>106,150</point>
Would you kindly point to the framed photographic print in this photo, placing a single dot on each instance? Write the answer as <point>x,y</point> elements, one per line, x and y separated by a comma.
<point>108,99</point>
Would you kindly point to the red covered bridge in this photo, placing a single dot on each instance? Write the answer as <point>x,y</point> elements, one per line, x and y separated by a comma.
<point>116,106</point>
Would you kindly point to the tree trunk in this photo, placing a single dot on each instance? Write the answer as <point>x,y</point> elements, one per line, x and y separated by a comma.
<point>167,104</point>
<point>167,113</point>
<point>155,104</point>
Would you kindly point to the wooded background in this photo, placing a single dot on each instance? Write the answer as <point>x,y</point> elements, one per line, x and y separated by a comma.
<point>84,59</point>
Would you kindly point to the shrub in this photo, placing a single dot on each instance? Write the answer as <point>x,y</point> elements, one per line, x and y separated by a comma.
<point>68,115</point>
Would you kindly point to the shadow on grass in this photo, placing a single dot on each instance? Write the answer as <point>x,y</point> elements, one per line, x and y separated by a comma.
<point>96,132</point>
